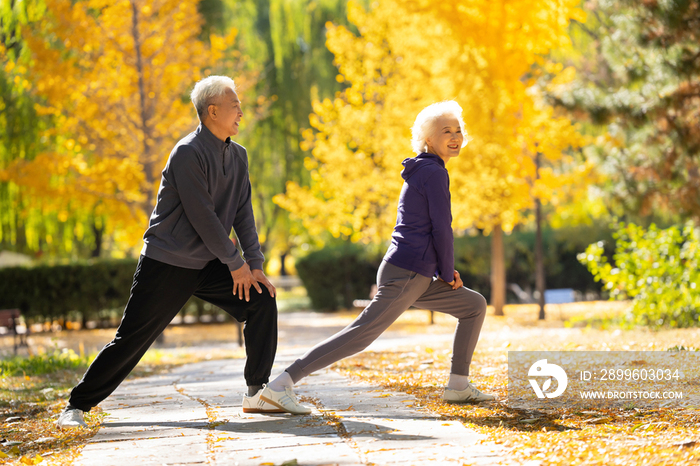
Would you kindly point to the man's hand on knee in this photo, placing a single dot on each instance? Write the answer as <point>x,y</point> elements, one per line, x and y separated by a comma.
<point>260,276</point>
<point>243,279</point>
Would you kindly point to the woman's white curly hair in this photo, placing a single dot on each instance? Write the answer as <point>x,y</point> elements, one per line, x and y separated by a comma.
<point>424,126</point>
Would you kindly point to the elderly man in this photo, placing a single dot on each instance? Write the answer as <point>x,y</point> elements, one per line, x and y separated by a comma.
<point>204,193</point>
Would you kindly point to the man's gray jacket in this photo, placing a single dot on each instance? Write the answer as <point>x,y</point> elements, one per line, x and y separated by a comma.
<point>204,192</point>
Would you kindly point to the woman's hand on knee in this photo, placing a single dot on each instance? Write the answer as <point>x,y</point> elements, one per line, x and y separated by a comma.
<point>457,283</point>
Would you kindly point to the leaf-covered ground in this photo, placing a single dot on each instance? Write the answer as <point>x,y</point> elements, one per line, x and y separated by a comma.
<point>34,390</point>
<point>29,406</point>
<point>565,436</point>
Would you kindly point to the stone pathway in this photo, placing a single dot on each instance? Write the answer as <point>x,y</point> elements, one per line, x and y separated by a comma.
<point>193,415</point>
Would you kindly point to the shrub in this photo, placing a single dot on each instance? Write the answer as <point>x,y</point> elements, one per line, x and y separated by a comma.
<point>336,275</point>
<point>48,292</point>
<point>90,291</point>
<point>657,268</point>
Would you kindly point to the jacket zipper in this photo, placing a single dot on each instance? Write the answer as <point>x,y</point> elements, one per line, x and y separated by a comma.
<point>223,159</point>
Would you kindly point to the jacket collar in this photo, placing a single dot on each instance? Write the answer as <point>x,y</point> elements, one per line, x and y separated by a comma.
<point>209,138</point>
<point>428,155</point>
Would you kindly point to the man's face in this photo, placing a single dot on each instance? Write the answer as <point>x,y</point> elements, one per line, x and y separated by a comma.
<point>226,114</point>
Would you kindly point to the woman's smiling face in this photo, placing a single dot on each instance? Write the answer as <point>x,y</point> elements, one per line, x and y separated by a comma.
<point>447,140</point>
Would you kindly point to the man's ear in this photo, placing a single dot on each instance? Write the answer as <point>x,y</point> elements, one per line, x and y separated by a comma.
<point>211,111</point>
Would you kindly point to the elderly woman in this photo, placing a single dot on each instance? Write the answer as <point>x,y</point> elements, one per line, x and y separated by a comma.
<point>417,270</point>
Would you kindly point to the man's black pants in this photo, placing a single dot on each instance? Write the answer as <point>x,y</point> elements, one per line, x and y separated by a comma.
<point>158,293</point>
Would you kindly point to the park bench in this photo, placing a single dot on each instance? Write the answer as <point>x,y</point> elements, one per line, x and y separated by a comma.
<point>9,318</point>
<point>286,282</point>
<point>559,296</point>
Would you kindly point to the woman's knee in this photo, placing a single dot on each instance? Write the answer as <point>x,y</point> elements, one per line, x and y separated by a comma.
<point>474,303</point>
<point>481,303</point>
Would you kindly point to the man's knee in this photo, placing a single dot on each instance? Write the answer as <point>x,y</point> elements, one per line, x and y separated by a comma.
<point>267,304</point>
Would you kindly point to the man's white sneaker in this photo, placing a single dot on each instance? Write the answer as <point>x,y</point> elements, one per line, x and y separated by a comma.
<point>253,404</point>
<point>71,417</point>
<point>285,400</point>
<point>469,395</point>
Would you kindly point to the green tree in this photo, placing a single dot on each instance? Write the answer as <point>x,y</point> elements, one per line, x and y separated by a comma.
<point>638,84</point>
<point>25,225</point>
<point>286,39</point>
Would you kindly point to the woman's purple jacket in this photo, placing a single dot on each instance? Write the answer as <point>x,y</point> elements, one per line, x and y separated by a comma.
<point>422,239</point>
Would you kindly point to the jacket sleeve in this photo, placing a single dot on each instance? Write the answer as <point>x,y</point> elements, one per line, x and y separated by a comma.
<point>190,181</point>
<point>244,226</point>
<point>437,190</point>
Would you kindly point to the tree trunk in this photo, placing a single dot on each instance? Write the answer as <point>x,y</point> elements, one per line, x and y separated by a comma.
<point>147,157</point>
<point>283,269</point>
<point>200,312</point>
<point>97,232</point>
<point>539,259</point>
<point>539,253</point>
<point>498,271</point>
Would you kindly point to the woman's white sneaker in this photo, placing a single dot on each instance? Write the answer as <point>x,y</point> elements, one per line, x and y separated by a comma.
<point>471,394</point>
<point>254,404</point>
<point>285,400</point>
<point>71,417</point>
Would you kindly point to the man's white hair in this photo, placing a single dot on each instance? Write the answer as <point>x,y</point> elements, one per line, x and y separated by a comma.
<point>208,90</point>
<point>424,126</point>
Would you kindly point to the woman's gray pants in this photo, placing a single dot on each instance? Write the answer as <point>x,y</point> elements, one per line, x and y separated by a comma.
<point>398,289</point>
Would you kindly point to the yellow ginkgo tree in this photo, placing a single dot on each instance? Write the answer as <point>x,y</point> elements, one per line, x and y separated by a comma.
<point>484,54</point>
<point>114,75</point>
